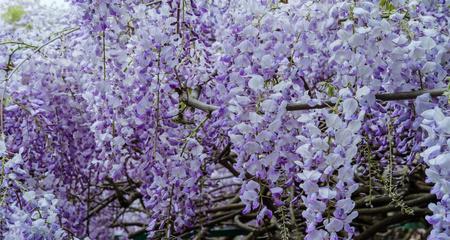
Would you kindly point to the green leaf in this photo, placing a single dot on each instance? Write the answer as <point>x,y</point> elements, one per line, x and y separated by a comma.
<point>387,7</point>
<point>13,14</point>
<point>447,93</point>
<point>413,225</point>
<point>29,26</point>
<point>7,101</point>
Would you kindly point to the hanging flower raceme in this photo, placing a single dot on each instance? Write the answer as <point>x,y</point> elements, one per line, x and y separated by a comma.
<point>328,165</point>
<point>436,155</point>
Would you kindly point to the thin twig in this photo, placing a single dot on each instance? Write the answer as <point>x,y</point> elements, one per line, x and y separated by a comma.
<point>39,49</point>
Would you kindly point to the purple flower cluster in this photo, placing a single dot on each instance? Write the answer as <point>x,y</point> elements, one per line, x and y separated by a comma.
<point>100,136</point>
<point>327,163</point>
<point>436,155</point>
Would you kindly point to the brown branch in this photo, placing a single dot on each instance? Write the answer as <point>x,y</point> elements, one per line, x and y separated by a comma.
<point>398,218</point>
<point>373,200</point>
<point>221,198</point>
<point>380,96</point>
<point>223,186</point>
<point>128,224</point>
<point>119,193</point>
<point>225,163</point>
<point>242,225</point>
<point>255,231</point>
<point>153,3</point>
<point>216,219</point>
<point>192,102</point>
<point>415,202</point>
<point>222,178</point>
<point>110,199</point>
<point>201,234</point>
<point>226,208</point>
<point>304,106</point>
<point>137,233</point>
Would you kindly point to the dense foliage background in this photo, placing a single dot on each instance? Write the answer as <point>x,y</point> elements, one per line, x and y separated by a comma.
<point>179,118</point>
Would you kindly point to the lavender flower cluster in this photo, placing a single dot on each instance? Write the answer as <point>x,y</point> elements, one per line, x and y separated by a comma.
<point>164,117</point>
